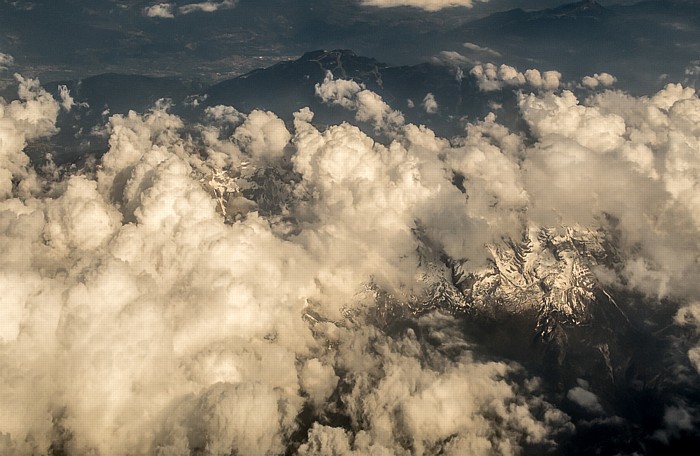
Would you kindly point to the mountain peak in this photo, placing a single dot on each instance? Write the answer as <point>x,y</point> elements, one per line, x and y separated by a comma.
<point>323,54</point>
<point>584,7</point>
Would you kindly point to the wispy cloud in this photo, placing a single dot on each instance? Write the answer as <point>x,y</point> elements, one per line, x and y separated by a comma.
<point>428,5</point>
<point>169,10</point>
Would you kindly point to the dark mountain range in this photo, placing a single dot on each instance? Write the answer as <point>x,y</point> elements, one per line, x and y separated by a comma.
<point>288,86</point>
<point>586,37</point>
<point>282,88</point>
<point>578,38</point>
<point>120,93</point>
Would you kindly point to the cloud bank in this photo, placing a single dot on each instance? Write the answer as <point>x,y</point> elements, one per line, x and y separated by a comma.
<point>178,299</point>
<point>490,77</point>
<point>155,327</point>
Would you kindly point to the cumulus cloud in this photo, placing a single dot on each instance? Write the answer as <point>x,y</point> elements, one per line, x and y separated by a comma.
<point>677,419</point>
<point>637,157</point>
<point>582,396</point>
<point>457,407</point>
<point>6,60</point>
<point>145,194</point>
<point>547,80</point>
<point>263,135</point>
<point>141,320</point>
<point>162,10</point>
<point>602,79</point>
<point>428,5</point>
<point>67,101</point>
<point>30,117</point>
<point>368,105</point>
<point>227,114</point>
<point>489,77</point>
<point>562,114</point>
<point>430,104</point>
<point>156,327</point>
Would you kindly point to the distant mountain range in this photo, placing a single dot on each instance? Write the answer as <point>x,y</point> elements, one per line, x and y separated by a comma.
<point>639,42</point>
<point>283,89</point>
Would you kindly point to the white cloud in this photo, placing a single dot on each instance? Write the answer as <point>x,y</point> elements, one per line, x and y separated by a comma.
<point>490,77</point>
<point>207,7</point>
<point>586,399</point>
<point>453,58</point>
<point>602,79</point>
<point>155,327</point>
<point>548,80</point>
<point>30,117</point>
<point>222,113</point>
<point>481,49</point>
<point>140,321</point>
<point>563,115</point>
<point>318,380</point>
<point>67,101</point>
<point>368,105</point>
<point>162,10</point>
<point>6,60</point>
<point>263,135</point>
<point>428,5</point>
<point>458,407</point>
<point>429,104</point>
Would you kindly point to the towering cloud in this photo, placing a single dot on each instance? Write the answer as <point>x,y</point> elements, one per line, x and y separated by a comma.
<point>156,328</point>
<point>263,135</point>
<point>30,117</point>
